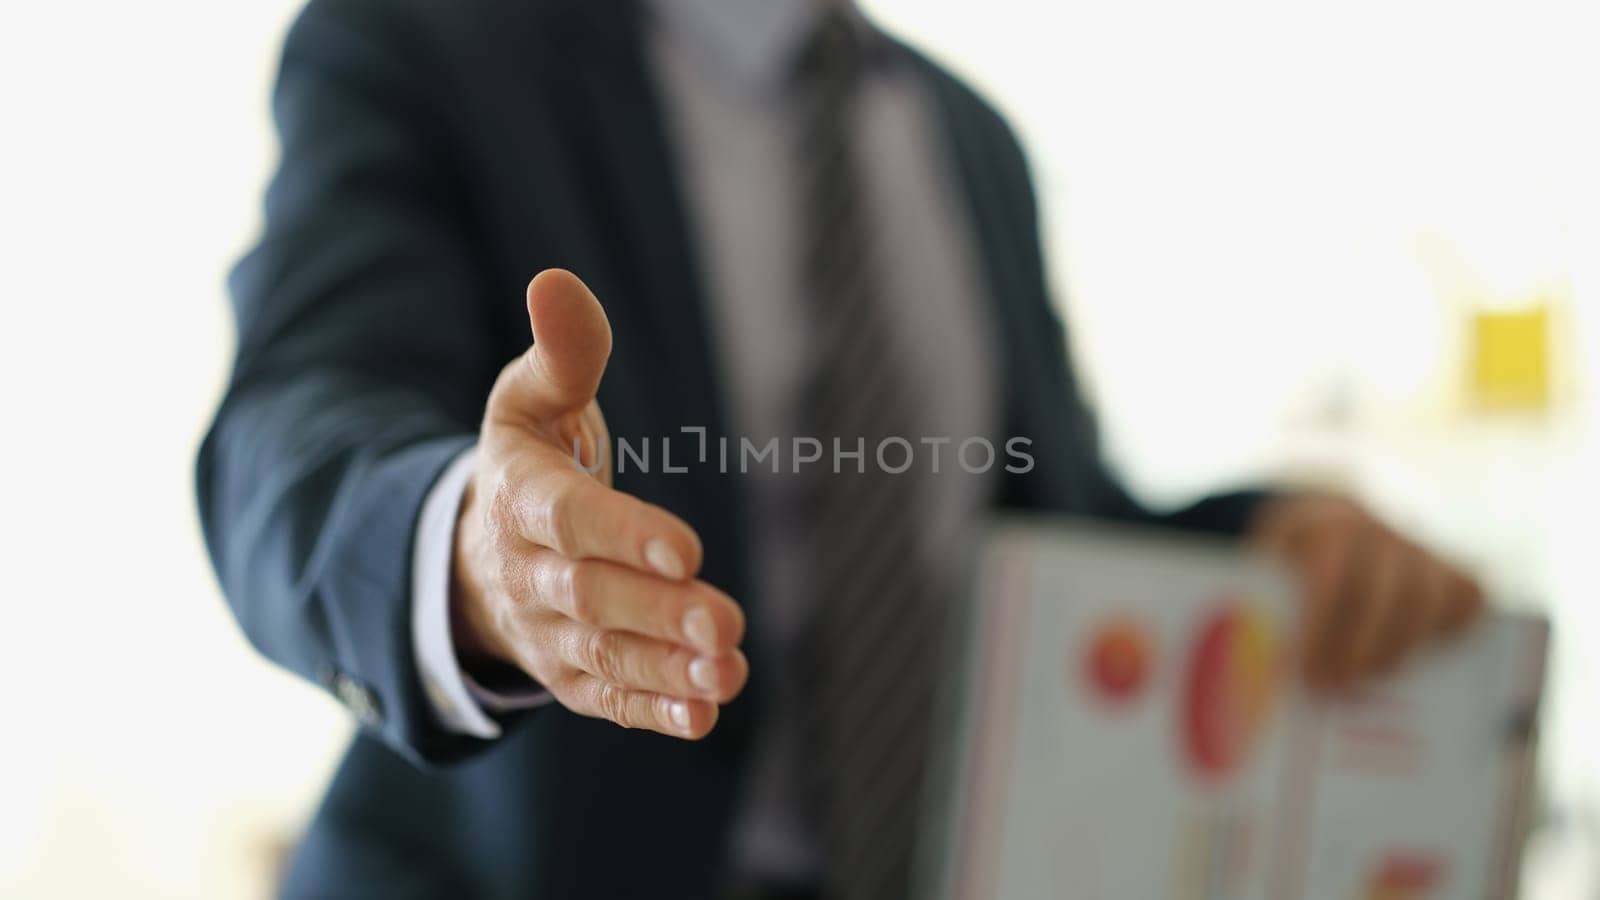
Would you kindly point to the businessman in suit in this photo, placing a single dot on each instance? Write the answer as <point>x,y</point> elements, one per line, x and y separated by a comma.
<point>797,238</point>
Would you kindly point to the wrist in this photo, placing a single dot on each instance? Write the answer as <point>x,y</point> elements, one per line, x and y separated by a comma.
<point>471,627</point>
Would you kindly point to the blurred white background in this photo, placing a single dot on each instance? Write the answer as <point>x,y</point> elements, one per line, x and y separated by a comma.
<point>1240,197</point>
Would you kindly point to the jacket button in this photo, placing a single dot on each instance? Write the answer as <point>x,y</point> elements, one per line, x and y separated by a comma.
<point>358,699</point>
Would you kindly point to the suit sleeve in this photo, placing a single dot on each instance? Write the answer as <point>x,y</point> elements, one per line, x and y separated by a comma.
<point>362,364</point>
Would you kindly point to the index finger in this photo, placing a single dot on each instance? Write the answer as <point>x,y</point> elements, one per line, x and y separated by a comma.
<point>610,597</point>
<point>556,505</point>
<point>1325,564</point>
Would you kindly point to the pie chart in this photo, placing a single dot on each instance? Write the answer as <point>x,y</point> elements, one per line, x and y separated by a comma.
<point>1230,687</point>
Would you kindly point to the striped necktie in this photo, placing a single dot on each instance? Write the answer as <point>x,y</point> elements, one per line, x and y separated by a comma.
<point>869,653</point>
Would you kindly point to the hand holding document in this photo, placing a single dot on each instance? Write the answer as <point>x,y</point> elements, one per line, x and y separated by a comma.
<point>1133,727</point>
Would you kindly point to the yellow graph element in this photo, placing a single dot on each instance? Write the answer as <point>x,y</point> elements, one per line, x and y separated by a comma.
<point>1511,358</point>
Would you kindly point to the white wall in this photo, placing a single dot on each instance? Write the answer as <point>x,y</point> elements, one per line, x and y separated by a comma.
<point>1235,190</point>
<point>147,752</point>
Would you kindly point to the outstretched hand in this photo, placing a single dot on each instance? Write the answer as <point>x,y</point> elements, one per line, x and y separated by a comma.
<point>588,590</point>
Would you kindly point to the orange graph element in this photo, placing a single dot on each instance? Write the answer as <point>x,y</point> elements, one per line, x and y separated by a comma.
<point>1404,876</point>
<point>1117,659</point>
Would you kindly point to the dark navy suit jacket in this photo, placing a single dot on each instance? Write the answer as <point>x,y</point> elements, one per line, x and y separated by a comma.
<point>435,155</point>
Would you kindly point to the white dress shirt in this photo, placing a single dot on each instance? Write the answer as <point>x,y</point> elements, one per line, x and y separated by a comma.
<point>721,66</point>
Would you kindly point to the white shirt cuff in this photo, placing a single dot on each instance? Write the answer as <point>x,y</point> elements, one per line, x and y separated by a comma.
<point>458,702</point>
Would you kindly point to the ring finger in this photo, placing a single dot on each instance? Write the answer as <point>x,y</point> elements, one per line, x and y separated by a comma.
<point>641,663</point>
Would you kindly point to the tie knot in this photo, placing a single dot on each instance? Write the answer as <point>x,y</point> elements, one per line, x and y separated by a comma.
<point>836,51</point>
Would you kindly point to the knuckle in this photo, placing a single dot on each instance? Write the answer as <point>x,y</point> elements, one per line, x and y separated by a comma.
<point>613,704</point>
<point>508,575</point>
<point>544,668</point>
<point>559,518</point>
<point>546,583</point>
<point>581,592</point>
<point>604,653</point>
<point>501,513</point>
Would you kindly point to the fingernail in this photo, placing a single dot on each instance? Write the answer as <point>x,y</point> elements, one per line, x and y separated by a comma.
<point>665,560</point>
<point>703,674</point>
<point>700,628</point>
<point>679,711</point>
